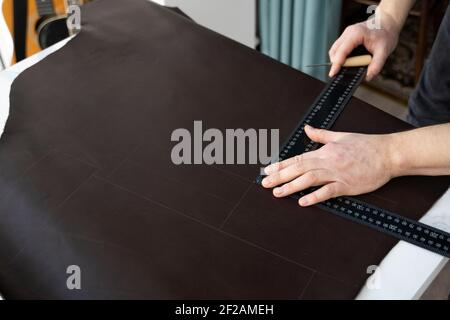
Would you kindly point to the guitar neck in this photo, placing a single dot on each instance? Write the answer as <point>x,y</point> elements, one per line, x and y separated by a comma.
<point>45,7</point>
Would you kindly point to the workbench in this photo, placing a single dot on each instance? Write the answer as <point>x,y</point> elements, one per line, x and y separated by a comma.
<point>405,273</point>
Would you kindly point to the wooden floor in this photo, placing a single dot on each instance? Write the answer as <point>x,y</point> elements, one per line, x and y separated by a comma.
<point>383,102</point>
<point>440,288</point>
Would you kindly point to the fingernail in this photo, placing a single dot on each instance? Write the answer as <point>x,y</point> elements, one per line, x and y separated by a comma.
<point>278,191</point>
<point>270,169</point>
<point>267,182</point>
<point>303,202</point>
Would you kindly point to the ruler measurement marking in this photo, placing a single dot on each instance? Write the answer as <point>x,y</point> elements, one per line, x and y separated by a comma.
<point>323,114</point>
<point>400,227</point>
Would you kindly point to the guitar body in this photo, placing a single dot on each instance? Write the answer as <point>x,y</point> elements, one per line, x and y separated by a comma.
<point>46,22</point>
<point>51,31</point>
<point>34,23</point>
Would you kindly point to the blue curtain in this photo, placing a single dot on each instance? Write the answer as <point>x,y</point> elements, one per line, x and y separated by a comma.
<point>299,32</point>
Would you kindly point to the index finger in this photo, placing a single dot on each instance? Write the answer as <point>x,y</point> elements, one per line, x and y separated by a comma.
<point>334,48</point>
<point>275,167</point>
<point>341,55</point>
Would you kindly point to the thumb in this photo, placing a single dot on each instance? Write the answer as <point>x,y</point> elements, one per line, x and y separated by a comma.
<point>322,136</point>
<point>379,59</point>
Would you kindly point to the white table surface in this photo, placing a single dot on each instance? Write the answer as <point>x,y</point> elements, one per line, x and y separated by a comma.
<point>405,273</point>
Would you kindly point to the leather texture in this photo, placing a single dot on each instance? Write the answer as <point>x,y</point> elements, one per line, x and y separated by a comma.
<point>86,177</point>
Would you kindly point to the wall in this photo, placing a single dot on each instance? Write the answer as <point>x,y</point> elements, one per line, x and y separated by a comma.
<point>235,19</point>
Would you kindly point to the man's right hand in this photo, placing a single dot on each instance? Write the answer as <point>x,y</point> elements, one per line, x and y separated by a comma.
<point>379,42</point>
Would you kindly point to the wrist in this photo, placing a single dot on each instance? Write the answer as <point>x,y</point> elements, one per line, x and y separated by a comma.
<point>389,22</point>
<point>396,160</point>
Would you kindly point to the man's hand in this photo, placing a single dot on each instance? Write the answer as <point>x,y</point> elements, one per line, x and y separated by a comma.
<point>347,164</point>
<point>379,42</point>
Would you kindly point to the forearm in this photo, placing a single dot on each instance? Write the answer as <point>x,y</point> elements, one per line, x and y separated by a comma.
<point>396,10</point>
<point>424,151</point>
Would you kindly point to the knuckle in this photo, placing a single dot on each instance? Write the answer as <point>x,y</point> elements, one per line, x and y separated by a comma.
<point>299,160</point>
<point>330,190</point>
<point>277,166</point>
<point>314,197</point>
<point>276,177</point>
<point>349,29</point>
<point>360,27</point>
<point>298,165</point>
<point>311,177</point>
<point>296,185</point>
<point>338,190</point>
<point>289,187</point>
<point>353,29</point>
<point>339,56</point>
<point>320,133</point>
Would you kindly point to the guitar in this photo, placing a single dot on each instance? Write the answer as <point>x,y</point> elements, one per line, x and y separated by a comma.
<point>46,22</point>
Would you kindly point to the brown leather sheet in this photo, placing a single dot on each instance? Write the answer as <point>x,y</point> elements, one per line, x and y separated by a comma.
<point>86,177</point>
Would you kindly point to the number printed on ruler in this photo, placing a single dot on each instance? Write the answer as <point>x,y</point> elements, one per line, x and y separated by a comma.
<point>323,114</point>
<point>324,111</point>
